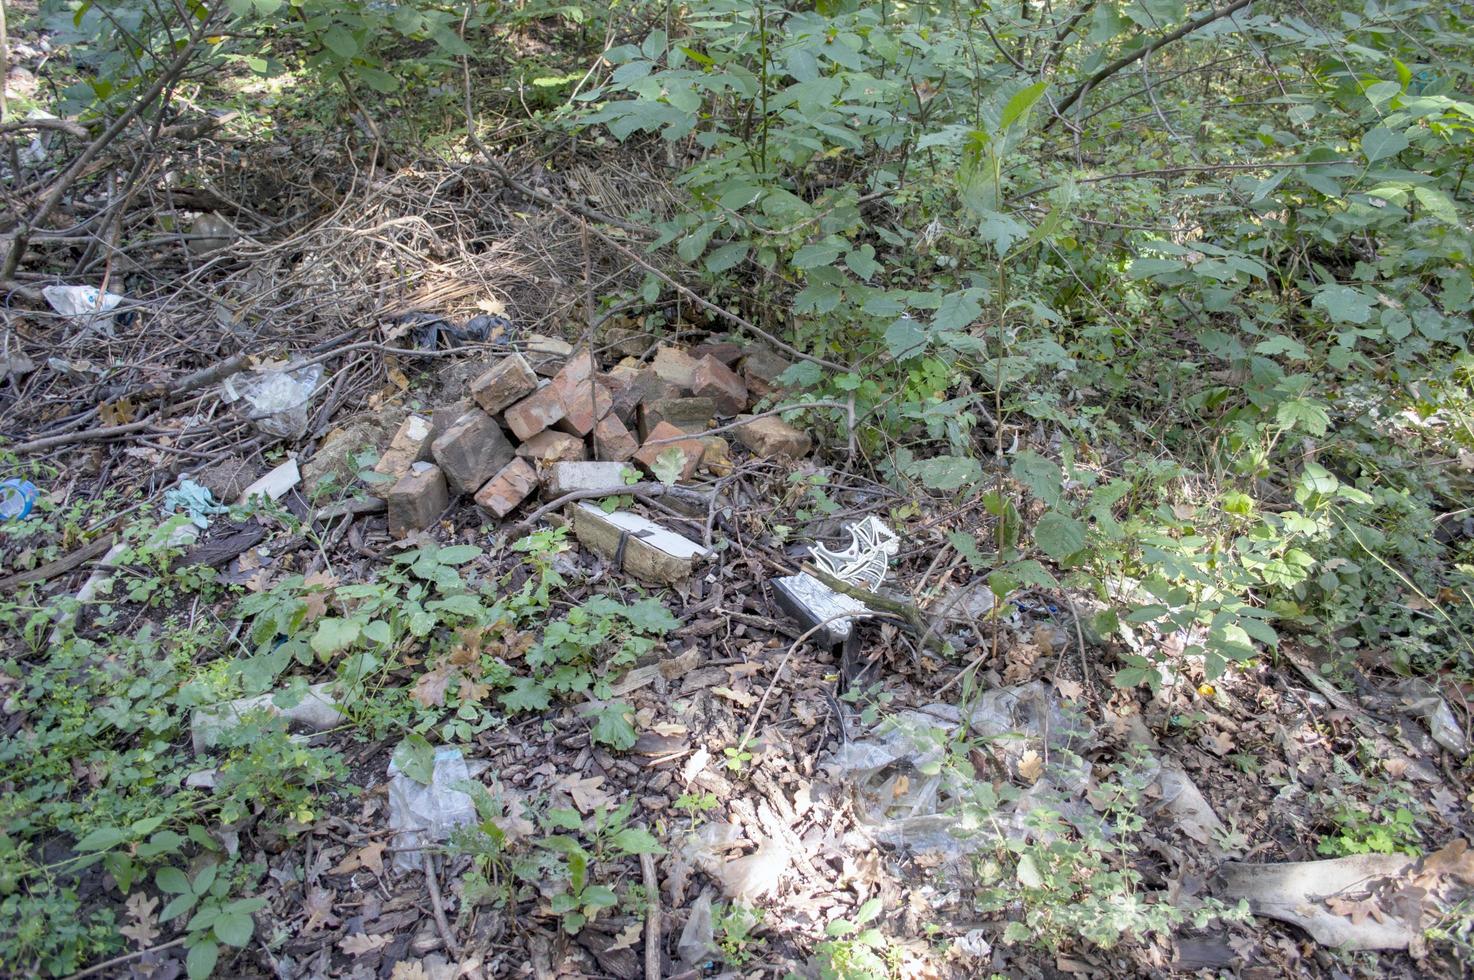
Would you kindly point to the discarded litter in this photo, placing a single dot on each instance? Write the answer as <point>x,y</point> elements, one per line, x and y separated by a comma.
<point>431,332</point>
<point>86,305</point>
<point>194,500</point>
<point>866,562</point>
<point>421,814</point>
<point>830,614</point>
<point>278,399</point>
<point>697,944</point>
<point>316,710</point>
<point>17,497</point>
<point>1294,892</point>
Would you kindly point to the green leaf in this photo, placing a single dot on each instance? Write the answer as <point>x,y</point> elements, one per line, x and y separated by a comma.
<point>967,546</point>
<point>1437,204</point>
<point>457,554</point>
<point>526,694</point>
<point>172,880</point>
<point>1059,536</point>
<point>726,257</point>
<point>179,905</point>
<point>201,959</point>
<point>1018,107</point>
<point>947,472</point>
<point>669,465</point>
<point>1041,475</point>
<point>872,908</point>
<point>958,310</point>
<point>820,254</point>
<point>612,727</point>
<point>651,616</point>
<point>234,929</point>
<point>1304,413</point>
<point>339,41</point>
<point>204,879</point>
<point>636,840</point>
<point>102,838</point>
<point>1343,304</point>
<point>905,339</point>
<point>334,635</point>
<point>415,757</point>
<point>1381,143</point>
<point>378,80</point>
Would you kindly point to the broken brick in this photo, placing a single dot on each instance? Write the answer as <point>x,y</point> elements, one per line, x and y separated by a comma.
<point>723,350</point>
<point>655,446</point>
<point>472,451</point>
<point>761,370</point>
<point>410,445</point>
<point>534,413</point>
<point>549,446</point>
<point>633,386</point>
<point>547,355</point>
<point>612,440</point>
<point>584,406</point>
<point>690,415</point>
<point>675,366</point>
<point>713,379</point>
<point>417,499</point>
<point>512,485</point>
<point>510,380</point>
<point>771,436</point>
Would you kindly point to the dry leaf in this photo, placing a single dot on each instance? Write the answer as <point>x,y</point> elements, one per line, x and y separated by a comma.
<point>740,697</point>
<point>627,937</point>
<point>1068,689</point>
<point>668,729</point>
<point>737,672</point>
<point>1455,860</point>
<point>141,910</point>
<point>362,943</point>
<point>119,412</point>
<point>429,690</point>
<point>693,766</point>
<point>1356,910</point>
<point>1030,766</point>
<point>1219,744</point>
<point>319,908</point>
<point>257,581</point>
<point>472,691</point>
<point>586,792</point>
<point>370,856</point>
<point>406,970</point>
<point>316,599</point>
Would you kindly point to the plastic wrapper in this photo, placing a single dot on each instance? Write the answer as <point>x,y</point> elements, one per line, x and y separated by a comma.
<point>697,944</point>
<point>277,399</point>
<point>83,305</point>
<point>194,500</point>
<point>421,814</point>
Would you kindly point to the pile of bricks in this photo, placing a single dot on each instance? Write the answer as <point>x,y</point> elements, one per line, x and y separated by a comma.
<point>527,412</point>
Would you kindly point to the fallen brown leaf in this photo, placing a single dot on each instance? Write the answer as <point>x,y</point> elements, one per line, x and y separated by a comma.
<point>361,943</point>
<point>429,690</point>
<point>586,792</point>
<point>1357,910</point>
<point>370,856</point>
<point>1031,766</point>
<point>740,697</point>
<point>407,970</point>
<point>319,908</point>
<point>141,910</point>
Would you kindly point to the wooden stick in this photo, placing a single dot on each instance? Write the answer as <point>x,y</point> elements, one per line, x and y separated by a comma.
<point>61,565</point>
<point>438,907</point>
<point>652,917</point>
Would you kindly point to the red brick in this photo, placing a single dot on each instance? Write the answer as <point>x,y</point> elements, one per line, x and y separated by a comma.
<point>760,369</point>
<point>552,447</point>
<point>534,413</point>
<point>508,488</point>
<point>409,445</point>
<point>612,440</point>
<point>511,379</point>
<point>675,366</point>
<point>772,436</point>
<point>713,379</point>
<point>691,415</point>
<point>723,350</point>
<point>690,449</point>
<point>578,369</point>
<point>588,402</point>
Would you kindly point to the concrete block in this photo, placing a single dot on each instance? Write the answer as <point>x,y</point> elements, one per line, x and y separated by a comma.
<point>561,478</point>
<point>472,451</point>
<point>811,602</point>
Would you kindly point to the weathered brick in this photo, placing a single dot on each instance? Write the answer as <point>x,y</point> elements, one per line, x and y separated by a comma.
<point>508,488</point>
<point>723,350</point>
<point>612,440</point>
<point>547,355</point>
<point>633,386</point>
<point>410,445</point>
<point>472,451</point>
<point>561,478</point>
<point>510,380</point>
<point>552,447</point>
<point>417,499</point>
<point>534,413</point>
<point>760,370</point>
<point>576,370</point>
<point>771,436</point>
<point>691,415</point>
<point>655,446</point>
<point>713,379</point>
<point>588,402</point>
<point>716,456</point>
<point>675,366</point>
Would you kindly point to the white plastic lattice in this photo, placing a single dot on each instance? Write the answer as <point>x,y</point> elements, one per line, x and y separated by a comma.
<point>866,562</point>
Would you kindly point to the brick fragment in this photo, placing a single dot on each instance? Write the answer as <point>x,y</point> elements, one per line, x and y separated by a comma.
<point>633,386</point>
<point>760,370</point>
<point>584,406</point>
<point>549,446</point>
<point>723,350</point>
<point>716,456</point>
<point>534,413</point>
<point>675,366</point>
<point>690,450</point>
<point>510,380</point>
<point>472,451</point>
<point>504,492</point>
<point>690,415</point>
<point>410,445</point>
<point>713,379</point>
<point>612,440</point>
<point>417,499</point>
<point>771,436</point>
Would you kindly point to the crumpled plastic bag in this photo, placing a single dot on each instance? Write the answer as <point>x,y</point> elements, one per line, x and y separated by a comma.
<point>423,814</point>
<point>697,944</point>
<point>900,806</point>
<point>84,305</point>
<point>278,399</point>
<point>197,502</point>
